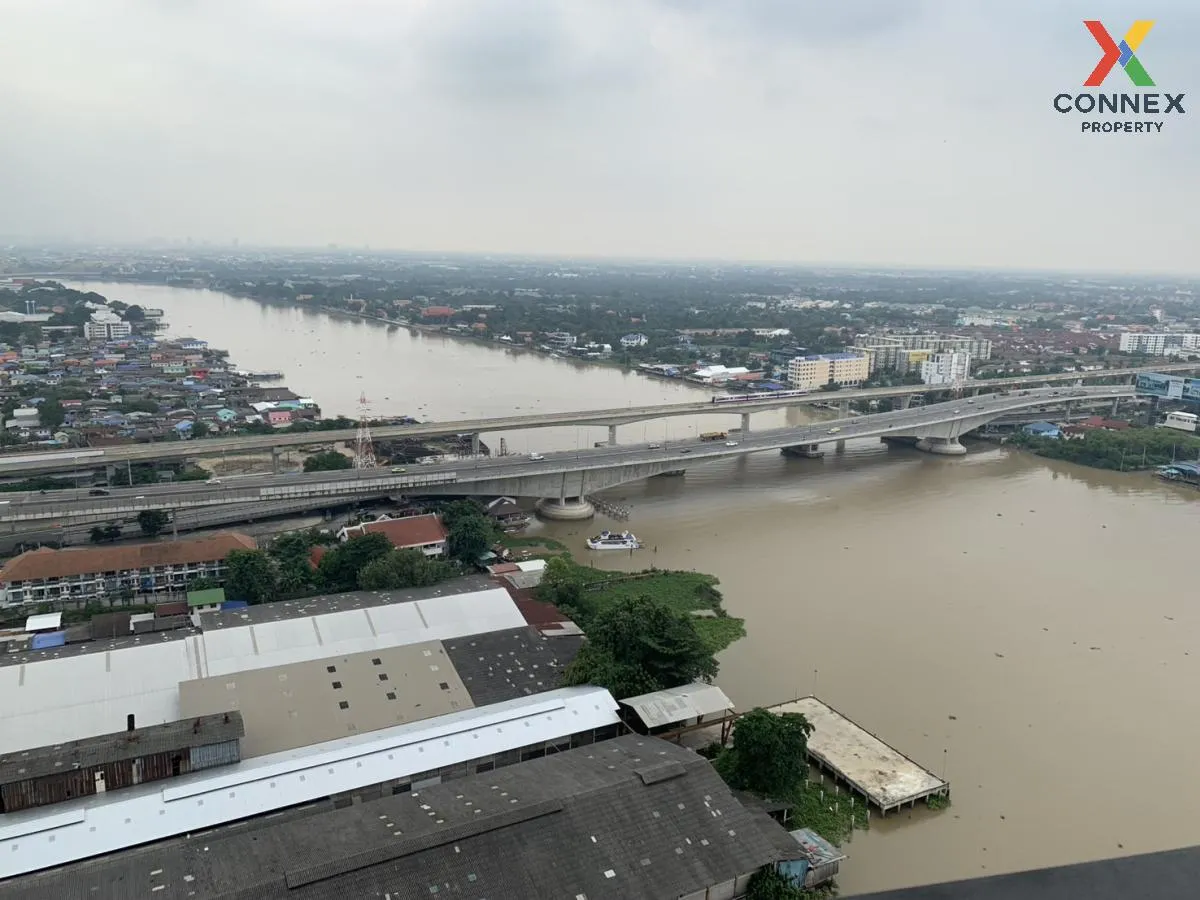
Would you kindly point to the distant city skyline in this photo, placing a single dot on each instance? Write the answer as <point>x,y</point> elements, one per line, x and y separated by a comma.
<point>914,135</point>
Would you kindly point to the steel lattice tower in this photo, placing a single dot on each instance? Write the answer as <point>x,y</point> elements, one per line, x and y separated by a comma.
<point>364,449</point>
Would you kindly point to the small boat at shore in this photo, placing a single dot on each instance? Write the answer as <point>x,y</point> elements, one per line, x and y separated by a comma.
<point>608,540</point>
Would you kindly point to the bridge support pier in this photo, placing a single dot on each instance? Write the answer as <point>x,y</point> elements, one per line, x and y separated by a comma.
<point>745,423</point>
<point>612,435</point>
<point>844,408</point>
<point>1116,408</point>
<point>905,401</point>
<point>475,444</point>
<point>567,509</point>
<point>840,446</point>
<point>941,446</point>
<point>808,451</point>
<point>276,452</point>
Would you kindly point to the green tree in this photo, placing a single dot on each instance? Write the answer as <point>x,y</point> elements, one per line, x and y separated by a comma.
<point>769,753</point>
<point>135,314</point>
<point>251,576</point>
<point>562,585</point>
<point>152,521</point>
<point>469,538</point>
<point>51,413</point>
<point>768,883</point>
<point>327,461</point>
<point>638,645</point>
<point>339,568</point>
<point>200,429</point>
<point>292,555</point>
<point>202,583</point>
<point>457,510</point>
<point>402,569</point>
<point>104,534</point>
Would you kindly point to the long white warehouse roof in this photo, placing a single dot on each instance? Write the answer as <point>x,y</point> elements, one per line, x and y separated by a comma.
<point>103,823</point>
<point>78,693</point>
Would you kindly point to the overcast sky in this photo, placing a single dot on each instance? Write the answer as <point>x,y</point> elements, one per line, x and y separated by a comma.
<point>874,131</point>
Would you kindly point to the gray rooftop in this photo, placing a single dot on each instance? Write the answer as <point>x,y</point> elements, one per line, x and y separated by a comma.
<point>108,748</point>
<point>628,818</point>
<point>1171,875</point>
<point>254,615</point>
<point>332,603</point>
<point>505,665</point>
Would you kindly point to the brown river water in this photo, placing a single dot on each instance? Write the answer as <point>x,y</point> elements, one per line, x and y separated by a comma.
<point>1028,630</point>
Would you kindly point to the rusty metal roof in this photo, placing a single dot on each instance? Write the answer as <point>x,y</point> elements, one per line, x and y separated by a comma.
<point>40,762</point>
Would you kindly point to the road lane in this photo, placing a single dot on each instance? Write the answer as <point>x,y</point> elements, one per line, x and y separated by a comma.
<point>258,488</point>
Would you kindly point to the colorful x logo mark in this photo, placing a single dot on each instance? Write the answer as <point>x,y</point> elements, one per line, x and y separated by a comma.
<point>1120,53</point>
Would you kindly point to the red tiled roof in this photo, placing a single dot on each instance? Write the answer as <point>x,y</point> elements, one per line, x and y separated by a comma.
<point>47,563</point>
<point>413,531</point>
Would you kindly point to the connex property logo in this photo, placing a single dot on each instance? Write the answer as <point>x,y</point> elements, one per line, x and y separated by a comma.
<point>1103,110</point>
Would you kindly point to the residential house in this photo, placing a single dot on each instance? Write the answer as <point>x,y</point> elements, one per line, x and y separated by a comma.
<point>425,533</point>
<point>630,341</point>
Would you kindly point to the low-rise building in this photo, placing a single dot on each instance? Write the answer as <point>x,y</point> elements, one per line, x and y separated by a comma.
<point>425,533</point>
<point>86,573</point>
<point>630,341</point>
<point>813,372</point>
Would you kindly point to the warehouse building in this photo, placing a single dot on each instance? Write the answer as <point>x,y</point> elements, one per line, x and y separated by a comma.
<point>631,818</point>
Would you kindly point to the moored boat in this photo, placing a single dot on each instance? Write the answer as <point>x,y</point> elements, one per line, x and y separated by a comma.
<point>609,540</point>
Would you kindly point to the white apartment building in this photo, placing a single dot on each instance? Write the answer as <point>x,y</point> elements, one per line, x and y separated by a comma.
<point>1163,344</point>
<point>891,351</point>
<point>808,373</point>
<point>946,368</point>
<point>106,326</point>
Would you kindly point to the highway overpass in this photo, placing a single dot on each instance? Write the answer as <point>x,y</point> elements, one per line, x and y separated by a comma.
<point>61,461</point>
<point>563,479</point>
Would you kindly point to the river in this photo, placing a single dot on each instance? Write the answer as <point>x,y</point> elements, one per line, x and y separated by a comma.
<point>1024,628</point>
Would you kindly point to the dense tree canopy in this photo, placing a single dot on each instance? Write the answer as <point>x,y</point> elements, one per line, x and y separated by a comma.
<point>327,461</point>
<point>769,754</point>
<point>339,568</point>
<point>638,645</point>
<point>251,576</point>
<point>403,569</point>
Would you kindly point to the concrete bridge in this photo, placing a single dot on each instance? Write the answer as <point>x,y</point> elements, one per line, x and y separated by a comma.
<point>561,481</point>
<point>71,460</point>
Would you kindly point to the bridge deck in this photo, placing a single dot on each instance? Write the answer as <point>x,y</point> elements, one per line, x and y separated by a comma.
<point>883,775</point>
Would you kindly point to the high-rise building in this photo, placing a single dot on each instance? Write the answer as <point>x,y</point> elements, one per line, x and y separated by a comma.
<point>1162,344</point>
<point>895,352</point>
<point>946,368</point>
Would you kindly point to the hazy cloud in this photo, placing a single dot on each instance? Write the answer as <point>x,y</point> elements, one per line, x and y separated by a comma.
<point>875,131</point>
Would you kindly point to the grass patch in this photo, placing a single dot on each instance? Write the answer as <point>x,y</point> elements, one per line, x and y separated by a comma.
<point>684,592</point>
<point>719,633</point>
<point>831,815</point>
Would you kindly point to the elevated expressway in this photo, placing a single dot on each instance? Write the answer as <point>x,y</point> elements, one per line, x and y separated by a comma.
<point>562,481</point>
<point>62,461</point>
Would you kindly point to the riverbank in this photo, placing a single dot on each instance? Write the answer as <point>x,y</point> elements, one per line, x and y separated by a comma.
<point>1132,450</point>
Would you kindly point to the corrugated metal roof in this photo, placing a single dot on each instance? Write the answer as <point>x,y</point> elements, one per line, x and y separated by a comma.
<point>577,824</point>
<point>44,622</point>
<point>109,822</point>
<point>678,704</point>
<point>51,760</point>
<point>78,692</point>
